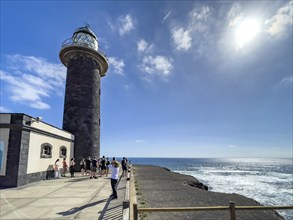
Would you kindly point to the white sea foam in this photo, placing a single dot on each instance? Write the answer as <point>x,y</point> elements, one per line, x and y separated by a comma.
<point>266,180</point>
<point>268,188</point>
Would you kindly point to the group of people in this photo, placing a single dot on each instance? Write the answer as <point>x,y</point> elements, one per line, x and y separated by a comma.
<point>62,172</point>
<point>94,167</point>
<point>101,166</point>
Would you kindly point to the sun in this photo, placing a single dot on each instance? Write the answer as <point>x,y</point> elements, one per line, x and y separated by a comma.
<point>246,31</point>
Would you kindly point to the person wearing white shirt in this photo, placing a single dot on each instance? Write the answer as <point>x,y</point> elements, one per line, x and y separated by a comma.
<point>114,177</point>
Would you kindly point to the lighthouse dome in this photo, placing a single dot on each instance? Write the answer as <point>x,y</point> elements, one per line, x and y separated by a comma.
<point>85,37</point>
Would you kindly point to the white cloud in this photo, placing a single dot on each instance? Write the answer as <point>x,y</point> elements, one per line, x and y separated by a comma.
<point>166,16</point>
<point>235,15</point>
<point>152,64</point>
<point>126,24</point>
<point>286,81</point>
<point>53,74</point>
<point>144,47</point>
<point>196,28</point>
<point>21,91</point>
<point>157,65</point>
<point>182,39</point>
<point>117,65</point>
<point>30,79</point>
<point>201,14</point>
<point>139,141</point>
<point>199,19</point>
<point>281,20</point>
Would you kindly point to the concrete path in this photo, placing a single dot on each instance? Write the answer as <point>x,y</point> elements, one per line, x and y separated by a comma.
<point>65,198</point>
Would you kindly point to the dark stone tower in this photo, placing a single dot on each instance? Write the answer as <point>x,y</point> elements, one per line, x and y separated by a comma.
<point>85,67</point>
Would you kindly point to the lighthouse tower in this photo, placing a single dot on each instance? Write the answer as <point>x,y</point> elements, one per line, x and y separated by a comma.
<point>85,67</point>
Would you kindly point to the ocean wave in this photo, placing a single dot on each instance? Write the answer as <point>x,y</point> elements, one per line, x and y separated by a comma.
<point>269,188</point>
<point>268,181</point>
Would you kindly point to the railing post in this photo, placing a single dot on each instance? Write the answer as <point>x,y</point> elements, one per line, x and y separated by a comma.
<point>232,211</point>
<point>135,211</point>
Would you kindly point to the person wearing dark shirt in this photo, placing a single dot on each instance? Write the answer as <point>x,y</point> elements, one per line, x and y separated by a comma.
<point>107,166</point>
<point>88,166</point>
<point>71,168</point>
<point>94,168</point>
<point>124,167</point>
<point>103,166</point>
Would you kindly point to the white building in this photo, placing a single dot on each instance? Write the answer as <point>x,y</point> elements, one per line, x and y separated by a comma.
<point>29,148</point>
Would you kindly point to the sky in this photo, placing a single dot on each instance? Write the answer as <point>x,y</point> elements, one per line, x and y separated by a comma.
<point>186,78</point>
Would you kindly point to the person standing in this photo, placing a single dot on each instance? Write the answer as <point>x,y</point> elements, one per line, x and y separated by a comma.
<point>103,166</point>
<point>114,166</point>
<point>56,168</point>
<point>71,168</point>
<point>64,167</point>
<point>88,166</point>
<point>107,166</point>
<point>82,166</point>
<point>124,164</point>
<point>94,168</point>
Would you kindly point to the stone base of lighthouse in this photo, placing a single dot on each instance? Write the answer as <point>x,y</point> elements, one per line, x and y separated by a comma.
<point>82,105</point>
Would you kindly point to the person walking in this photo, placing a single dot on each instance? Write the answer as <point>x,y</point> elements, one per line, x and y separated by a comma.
<point>71,168</point>
<point>114,166</point>
<point>56,168</point>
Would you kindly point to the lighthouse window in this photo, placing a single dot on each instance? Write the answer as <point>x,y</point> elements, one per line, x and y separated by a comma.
<point>63,152</point>
<point>46,150</point>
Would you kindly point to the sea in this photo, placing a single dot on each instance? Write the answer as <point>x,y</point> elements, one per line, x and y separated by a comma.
<point>266,180</point>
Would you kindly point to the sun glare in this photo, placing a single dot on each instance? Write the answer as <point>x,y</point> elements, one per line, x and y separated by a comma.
<point>246,31</point>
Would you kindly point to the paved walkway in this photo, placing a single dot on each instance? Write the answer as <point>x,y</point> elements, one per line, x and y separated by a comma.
<point>65,198</point>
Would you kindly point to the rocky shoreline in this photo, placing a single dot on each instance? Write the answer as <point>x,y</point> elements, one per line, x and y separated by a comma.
<point>159,187</point>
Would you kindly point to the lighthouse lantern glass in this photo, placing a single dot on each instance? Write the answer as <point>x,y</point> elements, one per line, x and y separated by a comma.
<point>85,39</point>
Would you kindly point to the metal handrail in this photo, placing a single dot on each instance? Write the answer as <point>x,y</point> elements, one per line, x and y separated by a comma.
<point>70,42</point>
<point>126,201</point>
<point>231,207</point>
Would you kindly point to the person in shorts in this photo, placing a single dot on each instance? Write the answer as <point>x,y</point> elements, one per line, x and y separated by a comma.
<point>124,164</point>
<point>103,166</point>
<point>107,166</point>
<point>64,167</point>
<point>88,166</point>
<point>82,166</point>
<point>94,168</point>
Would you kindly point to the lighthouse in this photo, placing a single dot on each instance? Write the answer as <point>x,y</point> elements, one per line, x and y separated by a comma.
<point>86,64</point>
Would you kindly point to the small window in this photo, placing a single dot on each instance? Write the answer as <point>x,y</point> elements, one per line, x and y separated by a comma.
<point>46,150</point>
<point>63,152</point>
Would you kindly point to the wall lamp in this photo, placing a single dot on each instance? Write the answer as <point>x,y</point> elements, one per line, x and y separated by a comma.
<point>37,119</point>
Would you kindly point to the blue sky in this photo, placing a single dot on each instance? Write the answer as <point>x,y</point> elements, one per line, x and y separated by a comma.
<point>185,78</point>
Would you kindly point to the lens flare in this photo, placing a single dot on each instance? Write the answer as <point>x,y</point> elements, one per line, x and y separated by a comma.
<point>246,32</point>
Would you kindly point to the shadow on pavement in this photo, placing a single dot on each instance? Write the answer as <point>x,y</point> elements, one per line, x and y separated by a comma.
<point>78,179</point>
<point>77,209</point>
<point>112,210</point>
